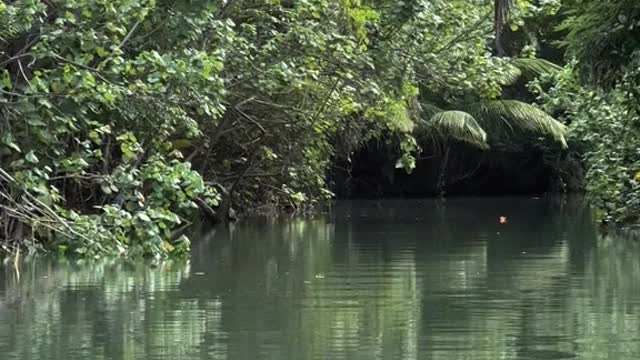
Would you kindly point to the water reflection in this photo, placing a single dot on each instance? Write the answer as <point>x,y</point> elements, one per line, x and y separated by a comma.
<point>371,280</point>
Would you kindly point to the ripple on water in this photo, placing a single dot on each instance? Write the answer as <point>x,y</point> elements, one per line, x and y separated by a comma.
<point>407,280</point>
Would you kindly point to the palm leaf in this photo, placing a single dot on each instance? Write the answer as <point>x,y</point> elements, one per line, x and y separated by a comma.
<point>519,116</point>
<point>528,67</point>
<point>461,126</point>
<point>535,67</point>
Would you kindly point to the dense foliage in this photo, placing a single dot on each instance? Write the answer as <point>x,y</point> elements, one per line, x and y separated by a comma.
<point>598,94</point>
<point>123,120</point>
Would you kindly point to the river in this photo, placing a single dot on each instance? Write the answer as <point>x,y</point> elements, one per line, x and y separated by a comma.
<point>368,280</point>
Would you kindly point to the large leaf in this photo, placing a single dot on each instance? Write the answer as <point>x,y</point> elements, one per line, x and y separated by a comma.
<point>461,126</point>
<point>529,68</point>
<point>533,67</point>
<point>518,116</point>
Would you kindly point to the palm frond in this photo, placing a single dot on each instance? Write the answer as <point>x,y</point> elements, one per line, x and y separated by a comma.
<point>528,67</point>
<point>518,115</point>
<point>533,67</point>
<point>461,126</point>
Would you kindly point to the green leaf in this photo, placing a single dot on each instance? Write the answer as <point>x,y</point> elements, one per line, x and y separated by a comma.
<point>101,52</point>
<point>517,115</point>
<point>144,217</point>
<point>106,188</point>
<point>298,197</point>
<point>167,247</point>
<point>8,140</point>
<point>6,80</point>
<point>31,157</point>
<point>533,67</point>
<point>460,126</point>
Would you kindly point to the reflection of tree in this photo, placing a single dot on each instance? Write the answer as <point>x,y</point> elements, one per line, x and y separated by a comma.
<point>608,311</point>
<point>291,292</point>
<point>98,311</point>
<point>378,281</point>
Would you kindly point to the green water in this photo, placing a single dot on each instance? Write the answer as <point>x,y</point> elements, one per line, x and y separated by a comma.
<point>371,280</point>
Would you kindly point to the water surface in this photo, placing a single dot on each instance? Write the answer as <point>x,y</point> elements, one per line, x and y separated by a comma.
<point>370,280</point>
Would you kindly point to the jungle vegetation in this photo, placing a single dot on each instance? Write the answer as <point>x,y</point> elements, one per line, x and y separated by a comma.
<point>123,120</point>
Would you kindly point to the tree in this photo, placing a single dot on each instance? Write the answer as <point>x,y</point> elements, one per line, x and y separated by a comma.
<point>122,120</point>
